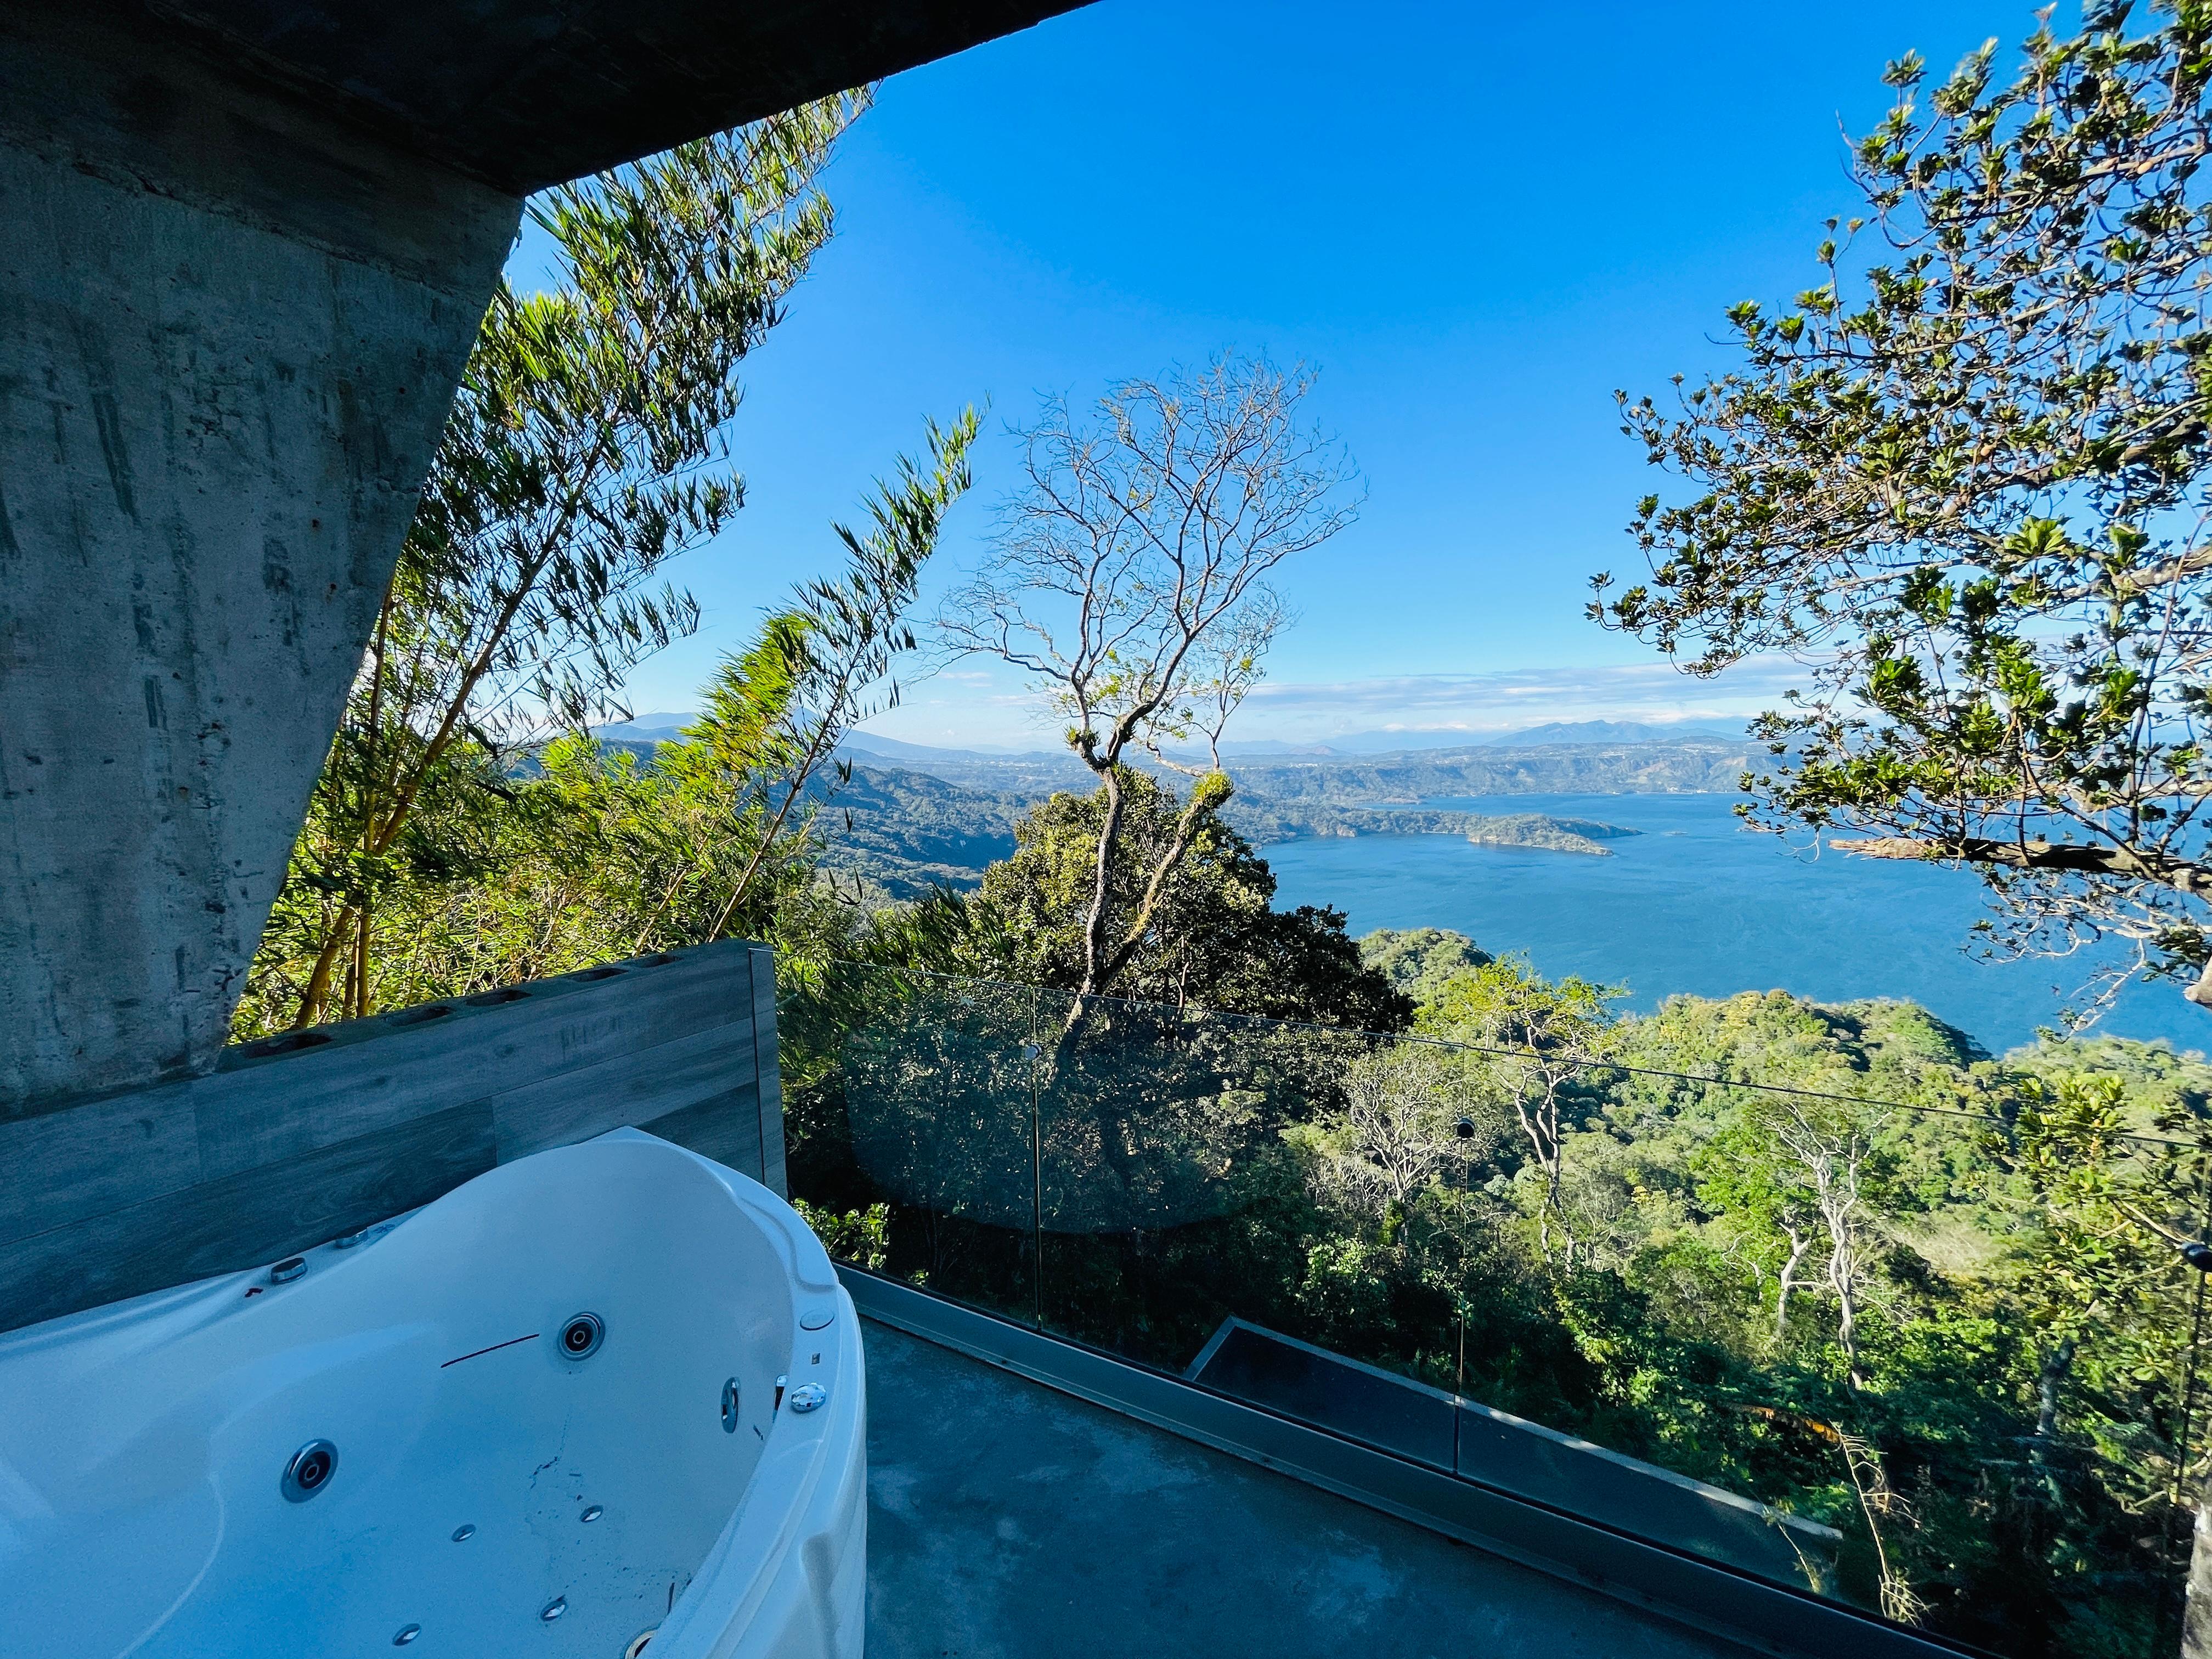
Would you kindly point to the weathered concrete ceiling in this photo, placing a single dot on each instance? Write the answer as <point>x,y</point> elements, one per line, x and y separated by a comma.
<point>524,94</point>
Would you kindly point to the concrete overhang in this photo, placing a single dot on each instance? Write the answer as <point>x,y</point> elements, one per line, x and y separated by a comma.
<point>524,94</point>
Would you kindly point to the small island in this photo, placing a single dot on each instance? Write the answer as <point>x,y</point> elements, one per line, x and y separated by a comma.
<point>1264,822</point>
<point>1550,834</point>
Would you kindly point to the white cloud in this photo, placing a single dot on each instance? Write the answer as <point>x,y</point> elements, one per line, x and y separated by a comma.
<point>995,708</point>
<point>1655,692</point>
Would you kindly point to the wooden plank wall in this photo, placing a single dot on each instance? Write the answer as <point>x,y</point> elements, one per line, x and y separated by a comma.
<point>304,1138</point>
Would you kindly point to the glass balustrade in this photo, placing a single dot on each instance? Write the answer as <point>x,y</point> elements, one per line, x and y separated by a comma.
<point>1936,1357</point>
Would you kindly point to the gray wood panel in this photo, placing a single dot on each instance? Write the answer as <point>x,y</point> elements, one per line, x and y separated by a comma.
<point>627,1089</point>
<point>262,1215</point>
<point>291,1143</point>
<point>347,1079</point>
<point>64,1165</point>
<point>726,1128</point>
<point>268,1116</point>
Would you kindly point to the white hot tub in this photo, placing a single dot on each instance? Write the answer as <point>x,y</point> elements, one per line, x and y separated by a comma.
<point>607,1394</point>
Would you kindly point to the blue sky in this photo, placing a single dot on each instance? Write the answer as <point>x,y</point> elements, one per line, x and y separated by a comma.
<point>1476,221</point>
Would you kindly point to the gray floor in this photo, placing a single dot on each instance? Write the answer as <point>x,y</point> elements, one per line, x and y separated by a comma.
<point>1006,1520</point>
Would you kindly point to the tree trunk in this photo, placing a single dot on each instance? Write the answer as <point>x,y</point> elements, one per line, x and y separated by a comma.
<point>1566,1233</point>
<point>1094,924</point>
<point>2197,1613</point>
<point>2200,989</point>
<point>1787,1282</point>
<point>316,994</point>
<point>1541,1128</point>
<point>1837,1201</point>
<point>2055,1364</point>
<point>1186,832</point>
<point>1842,1279</point>
<point>361,964</point>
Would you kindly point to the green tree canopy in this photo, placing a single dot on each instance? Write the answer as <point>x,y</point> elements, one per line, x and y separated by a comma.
<point>1420,961</point>
<point>1213,938</point>
<point>1540,1037</point>
<point>1967,474</point>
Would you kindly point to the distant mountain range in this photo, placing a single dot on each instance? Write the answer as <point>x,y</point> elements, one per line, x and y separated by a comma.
<point>914,815</point>
<point>1693,765</point>
<point>646,728</point>
<point>1533,737</point>
<point>1678,762</point>
<point>1556,731</point>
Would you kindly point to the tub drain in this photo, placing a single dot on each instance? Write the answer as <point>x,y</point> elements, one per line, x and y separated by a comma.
<point>637,1642</point>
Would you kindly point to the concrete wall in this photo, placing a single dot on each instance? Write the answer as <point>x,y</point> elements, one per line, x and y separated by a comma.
<point>244,248</point>
<point>229,333</point>
<point>307,1137</point>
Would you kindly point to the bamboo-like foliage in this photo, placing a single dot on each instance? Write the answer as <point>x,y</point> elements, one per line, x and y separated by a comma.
<point>588,445</point>
<point>590,854</point>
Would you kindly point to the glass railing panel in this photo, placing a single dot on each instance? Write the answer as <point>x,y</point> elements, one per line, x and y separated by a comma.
<point>909,1128</point>
<point>1939,1358</point>
<point>1168,1192</point>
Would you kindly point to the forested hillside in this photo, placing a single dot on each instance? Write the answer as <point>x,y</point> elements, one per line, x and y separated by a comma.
<point>1420,961</point>
<point>1261,821</point>
<point>1685,765</point>
<point>1689,763</point>
<point>903,831</point>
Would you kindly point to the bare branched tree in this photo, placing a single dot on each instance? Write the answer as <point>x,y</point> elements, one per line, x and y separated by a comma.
<point>1395,1128</point>
<point>1808,1167</point>
<point>1830,1150</point>
<point>1540,1036</point>
<point>1131,579</point>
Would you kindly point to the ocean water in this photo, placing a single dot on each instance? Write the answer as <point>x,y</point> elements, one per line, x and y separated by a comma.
<point>1697,904</point>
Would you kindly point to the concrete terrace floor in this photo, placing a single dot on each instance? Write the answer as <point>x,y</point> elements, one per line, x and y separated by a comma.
<point>1008,1520</point>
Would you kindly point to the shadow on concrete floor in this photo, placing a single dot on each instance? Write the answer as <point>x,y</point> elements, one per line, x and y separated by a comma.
<point>1007,1521</point>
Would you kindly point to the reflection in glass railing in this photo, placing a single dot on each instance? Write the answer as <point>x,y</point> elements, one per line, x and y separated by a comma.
<point>1933,1356</point>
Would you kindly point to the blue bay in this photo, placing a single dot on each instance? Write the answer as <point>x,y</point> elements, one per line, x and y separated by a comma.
<point>1696,904</point>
